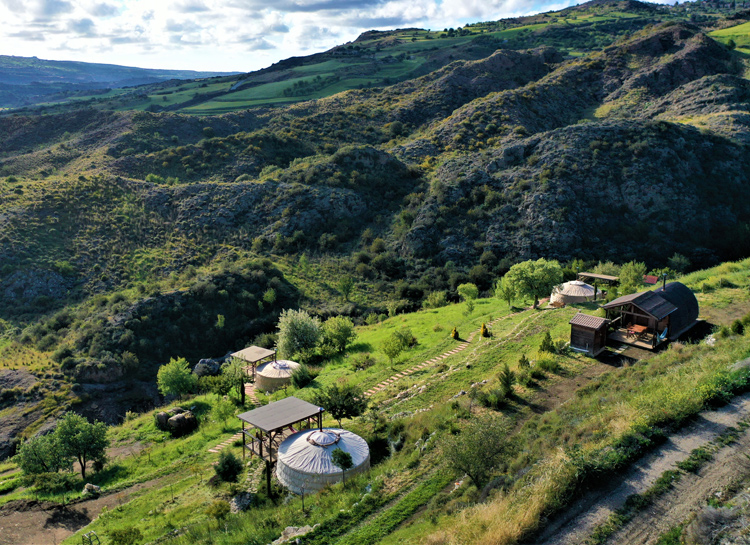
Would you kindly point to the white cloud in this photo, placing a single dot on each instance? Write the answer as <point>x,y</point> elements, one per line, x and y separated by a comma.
<point>218,34</point>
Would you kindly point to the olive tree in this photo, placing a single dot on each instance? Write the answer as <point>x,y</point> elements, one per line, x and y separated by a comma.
<point>535,278</point>
<point>341,402</point>
<point>298,332</point>
<point>478,450</point>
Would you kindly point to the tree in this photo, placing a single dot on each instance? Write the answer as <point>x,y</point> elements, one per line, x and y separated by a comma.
<point>547,345</point>
<point>535,278</point>
<point>234,373</point>
<point>223,410</point>
<point>505,290</point>
<point>397,342</point>
<point>346,284</point>
<point>78,438</point>
<point>468,291</point>
<point>298,331</point>
<point>175,379</point>
<point>342,460</point>
<point>42,454</point>
<point>631,277</point>
<point>338,332</point>
<point>507,380</point>
<point>679,263</point>
<point>341,402</point>
<point>478,449</point>
<point>125,536</point>
<point>229,467</point>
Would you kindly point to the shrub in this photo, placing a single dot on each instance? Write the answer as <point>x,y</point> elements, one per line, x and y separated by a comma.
<point>484,332</point>
<point>523,362</point>
<point>218,510</point>
<point>435,299</point>
<point>547,344</point>
<point>360,362</point>
<point>175,379</point>
<point>507,378</point>
<point>228,468</point>
<point>125,536</point>
<point>298,331</point>
<point>737,327</point>
<point>549,364</point>
<point>454,334</point>
<point>338,332</point>
<point>302,376</point>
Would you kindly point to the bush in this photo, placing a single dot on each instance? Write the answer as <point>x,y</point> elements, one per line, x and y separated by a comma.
<point>338,333</point>
<point>549,364</point>
<point>302,376</point>
<point>547,344</point>
<point>125,536</point>
<point>228,468</point>
<point>435,299</point>
<point>298,331</point>
<point>360,362</point>
<point>737,327</point>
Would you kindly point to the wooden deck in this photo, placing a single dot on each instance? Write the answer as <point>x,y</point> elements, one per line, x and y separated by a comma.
<point>643,341</point>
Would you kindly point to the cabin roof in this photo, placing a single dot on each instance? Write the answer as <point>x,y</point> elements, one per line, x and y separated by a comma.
<point>587,321</point>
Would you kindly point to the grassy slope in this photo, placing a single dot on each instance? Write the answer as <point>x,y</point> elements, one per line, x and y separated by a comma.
<point>639,398</point>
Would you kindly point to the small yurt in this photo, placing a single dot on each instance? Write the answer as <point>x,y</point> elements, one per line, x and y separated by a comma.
<point>304,458</point>
<point>273,375</point>
<point>571,292</point>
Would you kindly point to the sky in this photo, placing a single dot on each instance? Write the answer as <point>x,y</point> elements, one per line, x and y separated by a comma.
<point>224,35</point>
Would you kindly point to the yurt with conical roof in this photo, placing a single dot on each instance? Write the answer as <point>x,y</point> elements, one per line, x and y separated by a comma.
<point>274,375</point>
<point>304,458</point>
<point>572,292</point>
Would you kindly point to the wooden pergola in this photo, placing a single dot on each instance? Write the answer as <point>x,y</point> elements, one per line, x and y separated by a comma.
<point>254,355</point>
<point>595,278</point>
<point>273,423</point>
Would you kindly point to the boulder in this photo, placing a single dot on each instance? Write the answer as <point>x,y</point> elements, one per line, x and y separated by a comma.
<point>182,424</point>
<point>162,420</point>
<point>91,490</point>
<point>207,367</point>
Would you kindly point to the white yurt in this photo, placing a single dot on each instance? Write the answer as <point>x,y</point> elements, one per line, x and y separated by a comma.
<point>574,291</point>
<point>304,458</point>
<point>273,375</point>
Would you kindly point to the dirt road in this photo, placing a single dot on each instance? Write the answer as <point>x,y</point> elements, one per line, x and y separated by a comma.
<point>576,523</point>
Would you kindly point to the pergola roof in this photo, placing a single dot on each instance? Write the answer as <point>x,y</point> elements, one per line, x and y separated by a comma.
<point>280,414</point>
<point>604,277</point>
<point>254,354</point>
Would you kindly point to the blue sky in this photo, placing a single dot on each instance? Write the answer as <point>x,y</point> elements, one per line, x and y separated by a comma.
<point>223,35</point>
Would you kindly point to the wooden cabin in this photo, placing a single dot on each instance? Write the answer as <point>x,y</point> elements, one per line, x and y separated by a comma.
<point>588,334</point>
<point>650,318</point>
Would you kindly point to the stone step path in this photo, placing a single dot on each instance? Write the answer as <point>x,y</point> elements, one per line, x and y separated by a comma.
<point>224,444</point>
<point>462,346</point>
<point>249,394</point>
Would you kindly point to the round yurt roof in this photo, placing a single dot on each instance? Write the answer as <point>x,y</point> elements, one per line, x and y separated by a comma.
<point>309,452</point>
<point>277,369</point>
<point>576,288</point>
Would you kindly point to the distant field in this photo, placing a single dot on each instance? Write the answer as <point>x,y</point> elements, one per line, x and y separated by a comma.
<point>740,34</point>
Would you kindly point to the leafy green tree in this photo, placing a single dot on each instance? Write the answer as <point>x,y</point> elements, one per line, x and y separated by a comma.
<point>535,278</point>
<point>679,263</point>
<point>341,402</point>
<point>631,277</point>
<point>218,510</point>
<point>346,285</point>
<point>175,379</point>
<point>468,291</point>
<point>298,332</point>
<point>42,454</point>
<point>223,410</point>
<point>338,332</point>
<point>234,373</point>
<point>505,291</point>
<point>397,342</point>
<point>342,460</point>
<point>78,438</point>
<point>478,450</point>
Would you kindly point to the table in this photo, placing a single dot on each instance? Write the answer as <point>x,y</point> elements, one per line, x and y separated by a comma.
<point>637,330</point>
